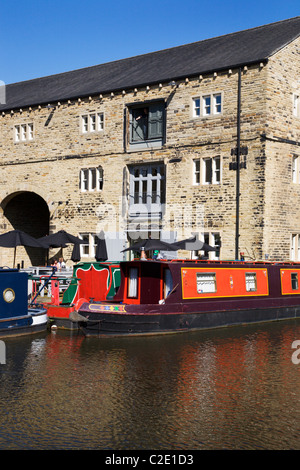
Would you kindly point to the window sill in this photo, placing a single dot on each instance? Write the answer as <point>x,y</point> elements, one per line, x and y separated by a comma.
<point>145,145</point>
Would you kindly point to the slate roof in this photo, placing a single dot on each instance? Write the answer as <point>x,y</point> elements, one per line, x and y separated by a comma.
<point>229,51</point>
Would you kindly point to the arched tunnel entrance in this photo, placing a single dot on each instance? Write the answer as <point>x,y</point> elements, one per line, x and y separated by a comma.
<point>27,211</point>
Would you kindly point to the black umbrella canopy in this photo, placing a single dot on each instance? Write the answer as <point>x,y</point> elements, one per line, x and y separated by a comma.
<point>152,245</point>
<point>194,244</point>
<point>60,239</point>
<point>101,250</point>
<point>16,238</point>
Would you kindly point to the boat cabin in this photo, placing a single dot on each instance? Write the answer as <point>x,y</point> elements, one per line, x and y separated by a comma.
<point>144,282</point>
<point>13,288</point>
<point>169,281</point>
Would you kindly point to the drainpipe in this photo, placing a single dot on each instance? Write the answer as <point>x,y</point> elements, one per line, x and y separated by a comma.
<point>238,151</point>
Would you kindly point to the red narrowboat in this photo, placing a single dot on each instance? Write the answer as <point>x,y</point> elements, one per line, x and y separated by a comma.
<point>180,295</point>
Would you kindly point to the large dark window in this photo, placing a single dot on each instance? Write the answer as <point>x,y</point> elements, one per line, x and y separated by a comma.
<point>147,123</point>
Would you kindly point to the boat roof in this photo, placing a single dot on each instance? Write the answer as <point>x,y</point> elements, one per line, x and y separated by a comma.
<point>213,263</point>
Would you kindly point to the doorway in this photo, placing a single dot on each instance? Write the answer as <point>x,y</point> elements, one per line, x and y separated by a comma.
<point>27,211</point>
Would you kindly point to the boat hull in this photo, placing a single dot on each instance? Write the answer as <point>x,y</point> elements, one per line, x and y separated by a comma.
<point>127,324</point>
<point>59,316</point>
<point>159,297</point>
<point>35,321</point>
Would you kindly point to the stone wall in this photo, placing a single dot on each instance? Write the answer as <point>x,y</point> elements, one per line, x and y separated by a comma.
<point>282,215</point>
<point>49,165</point>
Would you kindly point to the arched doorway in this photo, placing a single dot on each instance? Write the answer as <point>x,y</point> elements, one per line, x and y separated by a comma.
<point>27,211</point>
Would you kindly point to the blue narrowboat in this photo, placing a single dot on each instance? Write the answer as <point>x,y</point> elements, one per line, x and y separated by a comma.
<point>16,318</point>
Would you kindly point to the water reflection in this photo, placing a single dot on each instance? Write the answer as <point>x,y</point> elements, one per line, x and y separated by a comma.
<point>234,388</point>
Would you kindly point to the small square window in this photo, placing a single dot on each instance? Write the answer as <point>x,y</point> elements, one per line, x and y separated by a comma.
<point>85,246</point>
<point>23,132</point>
<point>207,170</point>
<point>251,285</point>
<point>91,179</point>
<point>88,247</point>
<point>207,105</point>
<point>206,282</point>
<point>92,122</point>
<point>294,280</point>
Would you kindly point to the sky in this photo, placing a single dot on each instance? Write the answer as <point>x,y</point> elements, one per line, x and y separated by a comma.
<point>45,37</point>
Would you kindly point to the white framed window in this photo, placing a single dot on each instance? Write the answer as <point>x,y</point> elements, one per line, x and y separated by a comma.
<point>295,247</point>
<point>92,122</point>
<point>147,188</point>
<point>196,108</point>
<point>88,248</point>
<point>84,247</point>
<point>296,169</point>
<point>23,132</point>
<point>91,179</point>
<point>30,131</point>
<point>212,239</point>
<point>208,105</point>
<point>217,103</point>
<point>207,170</point>
<point>197,171</point>
<point>206,282</point>
<point>296,104</point>
<point>133,283</point>
<point>251,285</point>
<point>17,134</point>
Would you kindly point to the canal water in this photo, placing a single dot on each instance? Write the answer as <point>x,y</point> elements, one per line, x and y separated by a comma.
<point>235,388</point>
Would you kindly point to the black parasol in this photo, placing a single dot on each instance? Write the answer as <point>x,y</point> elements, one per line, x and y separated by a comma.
<point>101,250</point>
<point>76,253</point>
<point>60,239</point>
<point>16,238</point>
<point>192,244</point>
<point>150,244</point>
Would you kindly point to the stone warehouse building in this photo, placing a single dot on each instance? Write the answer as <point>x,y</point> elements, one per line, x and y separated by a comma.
<point>201,138</point>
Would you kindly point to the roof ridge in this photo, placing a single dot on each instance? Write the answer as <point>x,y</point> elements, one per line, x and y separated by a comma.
<point>153,52</point>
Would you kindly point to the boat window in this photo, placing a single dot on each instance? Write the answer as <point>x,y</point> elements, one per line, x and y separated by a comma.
<point>133,282</point>
<point>251,285</point>
<point>294,279</point>
<point>206,282</point>
<point>168,282</point>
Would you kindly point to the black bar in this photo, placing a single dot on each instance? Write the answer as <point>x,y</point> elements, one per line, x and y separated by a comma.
<point>238,150</point>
